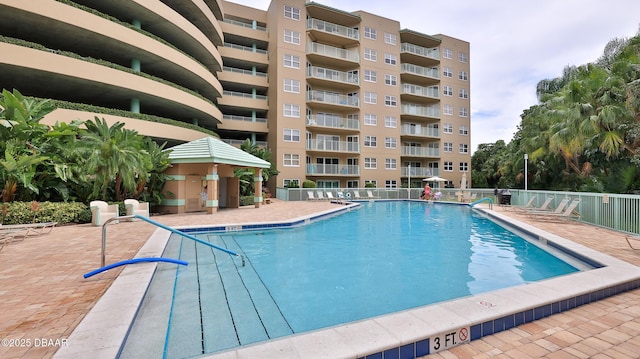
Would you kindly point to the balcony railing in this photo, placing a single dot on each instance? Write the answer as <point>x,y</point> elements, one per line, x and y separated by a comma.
<point>244,48</point>
<point>417,110</point>
<point>244,118</point>
<point>431,91</point>
<point>244,95</point>
<point>332,28</point>
<point>333,122</point>
<point>245,24</point>
<point>331,51</point>
<point>432,53</point>
<point>243,71</point>
<point>432,72</point>
<point>333,75</point>
<point>419,172</point>
<point>333,146</point>
<point>238,143</point>
<point>420,151</point>
<point>419,131</point>
<point>325,169</point>
<point>332,98</point>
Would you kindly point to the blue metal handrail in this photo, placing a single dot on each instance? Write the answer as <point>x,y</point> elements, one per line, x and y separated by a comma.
<point>173,230</point>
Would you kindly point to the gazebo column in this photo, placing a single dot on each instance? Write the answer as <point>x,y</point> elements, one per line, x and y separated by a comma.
<point>257,196</point>
<point>213,191</point>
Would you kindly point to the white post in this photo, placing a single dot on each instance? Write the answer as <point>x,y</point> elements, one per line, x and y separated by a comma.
<point>526,159</point>
<point>409,184</point>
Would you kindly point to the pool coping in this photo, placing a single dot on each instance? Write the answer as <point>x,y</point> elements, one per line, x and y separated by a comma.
<point>406,334</point>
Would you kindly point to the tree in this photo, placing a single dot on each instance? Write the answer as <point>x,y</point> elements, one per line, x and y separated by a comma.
<point>246,175</point>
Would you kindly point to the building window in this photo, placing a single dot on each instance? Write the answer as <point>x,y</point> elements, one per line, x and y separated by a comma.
<point>292,37</point>
<point>447,110</point>
<point>291,135</point>
<point>291,160</point>
<point>390,39</point>
<point>463,130</point>
<point>370,33</point>
<point>291,12</point>
<point>291,86</point>
<point>390,184</point>
<point>291,183</point>
<point>447,147</point>
<point>390,142</point>
<point>370,119</point>
<point>391,80</point>
<point>370,97</point>
<point>370,163</point>
<point>447,128</point>
<point>463,93</point>
<point>291,110</point>
<point>464,167</point>
<point>447,166</point>
<point>291,61</point>
<point>390,101</point>
<point>370,76</point>
<point>390,164</point>
<point>390,121</point>
<point>462,75</point>
<point>370,141</point>
<point>447,90</point>
<point>390,59</point>
<point>370,54</point>
<point>463,112</point>
<point>462,57</point>
<point>447,72</point>
<point>447,53</point>
<point>464,148</point>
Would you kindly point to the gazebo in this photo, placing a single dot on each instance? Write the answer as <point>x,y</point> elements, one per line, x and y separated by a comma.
<point>201,176</point>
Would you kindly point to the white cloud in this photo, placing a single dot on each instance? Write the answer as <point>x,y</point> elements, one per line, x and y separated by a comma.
<point>514,45</point>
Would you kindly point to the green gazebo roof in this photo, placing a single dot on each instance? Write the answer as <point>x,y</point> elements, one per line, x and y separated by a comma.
<point>211,150</point>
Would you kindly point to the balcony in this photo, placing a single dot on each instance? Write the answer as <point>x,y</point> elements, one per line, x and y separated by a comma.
<point>246,78</point>
<point>242,100</point>
<point>334,170</point>
<point>419,55</point>
<point>420,151</point>
<point>338,123</point>
<point>328,32</point>
<point>419,172</point>
<point>333,146</point>
<point>245,54</point>
<point>420,93</point>
<point>410,110</point>
<point>238,143</point>
<point>344,80</point>
<point>331,55</point>
<point>420,131</point>
<point>419,74</point>
<point>332,100</point>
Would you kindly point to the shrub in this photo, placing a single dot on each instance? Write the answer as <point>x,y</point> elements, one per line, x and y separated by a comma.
<point>369,185</point>
<point>40,212</point>
<point>246,201</point>
<point>308,184</point>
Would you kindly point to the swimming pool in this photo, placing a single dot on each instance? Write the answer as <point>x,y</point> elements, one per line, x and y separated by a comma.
<point>383,258</point>
<point>406,334</point>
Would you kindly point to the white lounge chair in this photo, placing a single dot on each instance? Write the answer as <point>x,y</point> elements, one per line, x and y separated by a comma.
<point>101,211</point>
<point>29,229</point>
<point>310,196</point>
<point>525,206</point>
<point>568,213</point>
<point>320,195</point>
<point>370,195</point>
<point>330,196</point>
<point>543,207</point>
<point>557,210</point>
<point>356,195</point>
<point>132,207</point>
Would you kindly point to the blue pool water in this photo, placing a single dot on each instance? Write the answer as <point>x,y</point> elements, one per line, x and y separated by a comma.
<point>382,258</point>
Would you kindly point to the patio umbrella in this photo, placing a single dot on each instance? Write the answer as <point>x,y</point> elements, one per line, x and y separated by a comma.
<point>435,179</point>
<point>463,183</point>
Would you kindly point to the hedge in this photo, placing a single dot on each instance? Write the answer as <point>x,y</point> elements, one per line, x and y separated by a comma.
<point>40,212</point>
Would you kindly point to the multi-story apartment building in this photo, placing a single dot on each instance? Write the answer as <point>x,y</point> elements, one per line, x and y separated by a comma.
<point>340,98</point>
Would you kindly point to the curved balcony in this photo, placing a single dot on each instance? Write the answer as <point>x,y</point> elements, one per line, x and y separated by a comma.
<point>318,169</point>
<point>242,100</point>
<point>419,55</point>
<point>248,78</point>
<point>244,30</point>
<point>342,80</point>
<point>336,123</point>
<point>333,146</point>
<point>420,112</point>
<point>244,123</point>
<point>418,93</point>
<point>332,56</point>
<point>245,54</point>
<point>85,82</point>
<point>328,32</point>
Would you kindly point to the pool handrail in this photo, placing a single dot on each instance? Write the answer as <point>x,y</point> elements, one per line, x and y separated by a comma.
<point>149,220</point>
<point>485,199</point>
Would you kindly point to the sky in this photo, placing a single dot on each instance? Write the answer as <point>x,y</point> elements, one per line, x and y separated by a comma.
<point>514,44</point>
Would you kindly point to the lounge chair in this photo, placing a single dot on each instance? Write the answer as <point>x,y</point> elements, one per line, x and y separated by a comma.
<point>557,210</point>
<point>370,195</point>
<point>356,195</point>
<point>568,213</point>
<point>330,196</point>
<point>101,211</point>
<point>320,195</point>
<point>30,229</point>
<point>527,205</point>
<point>134,207</point>
<point>544,207</point>
<point>310,196</point>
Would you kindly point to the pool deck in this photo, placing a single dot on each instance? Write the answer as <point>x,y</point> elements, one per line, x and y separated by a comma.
<point>43,295</point>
